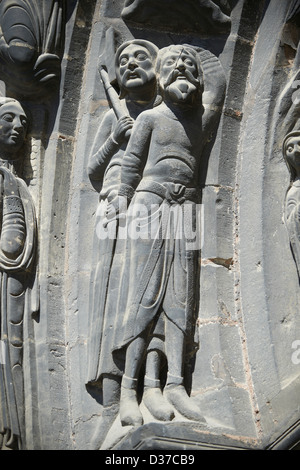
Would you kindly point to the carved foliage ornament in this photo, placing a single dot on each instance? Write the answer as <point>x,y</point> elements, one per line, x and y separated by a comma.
<point>31,43</point>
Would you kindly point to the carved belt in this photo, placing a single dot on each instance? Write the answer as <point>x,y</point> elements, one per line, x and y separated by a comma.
<point>174,193</point>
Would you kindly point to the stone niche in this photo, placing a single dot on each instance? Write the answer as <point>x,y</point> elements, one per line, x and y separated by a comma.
<point>111,339</point>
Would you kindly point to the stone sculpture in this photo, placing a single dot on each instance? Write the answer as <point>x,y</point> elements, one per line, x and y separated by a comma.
<point>135,70</point>
<point>201,15</point>
<point>31,37</point>
<point>160,169</point>
<point>17,253</point>
<point>291,153</point>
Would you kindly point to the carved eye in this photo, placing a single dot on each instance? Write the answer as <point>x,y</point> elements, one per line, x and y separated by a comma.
<point>123,60</point>
<point>188,62</point>
<point>290,148</point>
<point>8,117</point>
<point>141,56</point>
<point>170,61</point>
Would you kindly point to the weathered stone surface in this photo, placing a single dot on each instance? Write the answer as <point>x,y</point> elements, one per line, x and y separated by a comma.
<point>202,16</point>
<point>241,381</point>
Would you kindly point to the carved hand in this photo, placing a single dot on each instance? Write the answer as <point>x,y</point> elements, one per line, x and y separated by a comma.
<point>10,186</point>
<point>116,209</point>
<point>123,129</point>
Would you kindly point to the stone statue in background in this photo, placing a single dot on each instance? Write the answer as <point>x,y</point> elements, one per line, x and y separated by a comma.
<point>160,170</point>
<point>291,153</point>
<point>196,15</point>
<point>135,69</point>
<point>17,253</point>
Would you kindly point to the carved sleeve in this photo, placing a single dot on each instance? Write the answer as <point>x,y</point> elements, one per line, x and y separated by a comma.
<point>291,205</point>
<point>103,149</point>
<point>136,155</point>
<point>13,232</point>
<point>18,230</point>
<point>293,224</point>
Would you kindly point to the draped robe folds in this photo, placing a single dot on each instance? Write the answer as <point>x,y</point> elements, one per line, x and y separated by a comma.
<point>14,305</point>
<point>108,286</point>
<point>293,221</point>
<point>165,149</point>
<point>106,164</point>
<point>115,278</point>
<point>104,321</point>
<point>162,263</point>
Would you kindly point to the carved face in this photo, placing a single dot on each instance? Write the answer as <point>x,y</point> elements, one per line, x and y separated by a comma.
<point>292,151</point>
<point>13,127</point>
<point>136,69</point>
<point>179,74</point>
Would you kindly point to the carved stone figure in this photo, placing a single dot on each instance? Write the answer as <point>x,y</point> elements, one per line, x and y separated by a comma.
<point>286,111</point>
<point>160,170</point>
<point>135,70</point>
<point>17,252</point>
<point>199,15</point>
<point>31,38</point>
<point>291,153</point>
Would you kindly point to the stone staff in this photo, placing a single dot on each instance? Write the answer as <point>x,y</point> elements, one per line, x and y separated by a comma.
<point>111,94</point>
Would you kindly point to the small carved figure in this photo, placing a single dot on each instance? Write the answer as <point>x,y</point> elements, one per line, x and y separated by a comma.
<point>135,69</point>
<point>291,153</point>
<point>17,252</point>
<point>160,169</point>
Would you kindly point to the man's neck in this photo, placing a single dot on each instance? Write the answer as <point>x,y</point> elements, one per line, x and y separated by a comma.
<point>182,110</point>
<point>136,105</point>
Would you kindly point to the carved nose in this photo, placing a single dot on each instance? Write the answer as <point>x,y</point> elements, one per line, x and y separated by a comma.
<point>180,65</point>
<point>18,126</point>
<point>132,65</point>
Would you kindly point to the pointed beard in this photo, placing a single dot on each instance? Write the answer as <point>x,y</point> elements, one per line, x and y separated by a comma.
<point>182,91</point>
